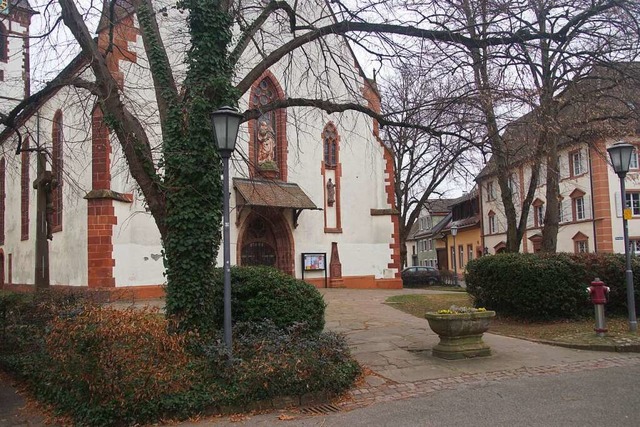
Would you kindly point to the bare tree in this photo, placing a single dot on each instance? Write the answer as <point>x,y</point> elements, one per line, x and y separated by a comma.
<point>226,46</point>
<point>423,159</point>
<point>503,81</point>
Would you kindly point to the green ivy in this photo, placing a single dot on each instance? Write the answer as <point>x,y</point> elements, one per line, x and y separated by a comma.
<point>193,168</point>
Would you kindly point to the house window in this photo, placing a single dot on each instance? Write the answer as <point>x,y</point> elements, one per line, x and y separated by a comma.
<point>330,138</point>
<point>580,212</point>
<point>453,257</point>
<point>423,223</point>
<point>575,163</point>
<point>491,191</point>
<point>633,164</point>
<point>581,246</point>
<point>580,243</point>
<point>469,252</point>
<point>513,183</point>
<point>461,256</point>
<point>634,246</point>
<point>57,170</point>
<point>633,202</point>
<point>492,222</point>
<point>542,174</point>
<point>430,244</point>
<point>560,211</point>
<point>539,215</point>
<point>578,205</point>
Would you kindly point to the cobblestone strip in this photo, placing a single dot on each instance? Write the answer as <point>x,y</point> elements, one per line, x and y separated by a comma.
<point>391,391</point>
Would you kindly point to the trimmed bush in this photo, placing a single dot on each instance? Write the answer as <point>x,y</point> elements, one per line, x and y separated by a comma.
<point>610,268</point>
<point>528,286</point>
<point>263,293</point>
<point>546,286</point>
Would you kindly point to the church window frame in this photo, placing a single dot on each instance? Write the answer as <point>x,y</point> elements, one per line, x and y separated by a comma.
<point>57,170</point>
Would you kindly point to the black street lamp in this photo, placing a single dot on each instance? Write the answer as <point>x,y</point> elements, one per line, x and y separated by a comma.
<point>620,154</point>
<point>226,122</point>
<point>454,233</point>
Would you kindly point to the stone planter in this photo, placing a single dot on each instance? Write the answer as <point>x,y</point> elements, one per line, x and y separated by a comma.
<point>460,334</point>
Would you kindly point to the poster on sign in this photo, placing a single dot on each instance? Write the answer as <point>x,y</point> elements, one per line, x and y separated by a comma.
<point>314,261</point>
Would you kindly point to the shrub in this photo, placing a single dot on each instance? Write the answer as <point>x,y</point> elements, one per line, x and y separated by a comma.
<point>109,366</point>
<point>270,361</point>
<point>547,286</point>
<point>101,366</point>
<point>263,293</point>
<point>528,286</point>
<point>24,317</point>
<point>610,268</point>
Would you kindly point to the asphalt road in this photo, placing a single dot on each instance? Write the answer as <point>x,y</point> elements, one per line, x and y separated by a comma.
<point>603,397</point>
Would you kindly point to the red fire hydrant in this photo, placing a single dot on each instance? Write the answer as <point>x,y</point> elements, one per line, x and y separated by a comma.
<point>598,293</point>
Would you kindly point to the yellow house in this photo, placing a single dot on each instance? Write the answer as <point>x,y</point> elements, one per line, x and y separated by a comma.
<point>462,236</point>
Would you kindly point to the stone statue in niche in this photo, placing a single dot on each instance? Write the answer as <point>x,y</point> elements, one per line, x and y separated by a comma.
<point>266,143</point>
<point>331,193</point>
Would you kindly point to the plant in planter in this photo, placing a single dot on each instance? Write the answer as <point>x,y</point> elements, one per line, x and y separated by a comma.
<point>460,330</point>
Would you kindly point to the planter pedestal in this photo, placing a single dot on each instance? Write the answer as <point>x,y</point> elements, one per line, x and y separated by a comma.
<point>460,334</point>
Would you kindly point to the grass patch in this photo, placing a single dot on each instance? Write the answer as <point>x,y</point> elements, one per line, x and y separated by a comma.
<point>418,305</point>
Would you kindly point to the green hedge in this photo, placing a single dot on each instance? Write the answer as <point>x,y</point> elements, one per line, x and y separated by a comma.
<point>542,287</point>
<point>260,293</point>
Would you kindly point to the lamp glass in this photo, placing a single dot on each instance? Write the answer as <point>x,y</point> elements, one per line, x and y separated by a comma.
<point>226,123</point>
<point>454,230</point>
<point>620,154</point>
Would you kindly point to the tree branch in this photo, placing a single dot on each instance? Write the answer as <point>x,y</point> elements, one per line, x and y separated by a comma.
<point>366,27</point>
<point>250,31</point>
<point>333,107</point>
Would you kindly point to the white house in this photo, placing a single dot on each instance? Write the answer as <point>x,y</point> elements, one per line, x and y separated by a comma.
<point>597,112</point>
<point>303,182</point>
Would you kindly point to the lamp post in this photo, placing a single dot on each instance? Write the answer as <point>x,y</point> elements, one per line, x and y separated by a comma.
<point>226,122</point>
<point>454,233</point>
<point>620,154</point>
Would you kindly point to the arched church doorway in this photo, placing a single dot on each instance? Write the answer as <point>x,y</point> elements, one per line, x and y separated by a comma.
<point>265,239</point>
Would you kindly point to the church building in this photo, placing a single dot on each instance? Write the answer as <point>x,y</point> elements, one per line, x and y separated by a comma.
<point>312,193</point>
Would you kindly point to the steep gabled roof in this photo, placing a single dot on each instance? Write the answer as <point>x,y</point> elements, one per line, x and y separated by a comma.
<point>605,103</point>
<point>39,98</point>
<point>22,4</point>
<point>438,205</point>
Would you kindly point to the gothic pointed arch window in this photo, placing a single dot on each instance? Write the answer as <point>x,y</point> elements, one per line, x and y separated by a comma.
<point>57,169</point>
<point>268,146</point>
<point>330,141</point>
<point>332,172</point>
<point>25,184</point>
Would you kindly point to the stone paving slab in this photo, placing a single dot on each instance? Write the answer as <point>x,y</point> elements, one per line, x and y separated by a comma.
<point>397,346</point>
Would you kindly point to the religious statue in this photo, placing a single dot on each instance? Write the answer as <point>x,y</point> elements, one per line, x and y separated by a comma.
<point>331,193</point>
<point>266,143</point>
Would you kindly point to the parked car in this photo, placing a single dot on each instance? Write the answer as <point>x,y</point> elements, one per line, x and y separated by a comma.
<point>420,276</point>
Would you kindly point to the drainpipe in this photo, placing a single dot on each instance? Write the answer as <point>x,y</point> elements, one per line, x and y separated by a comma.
<point>593,208</point>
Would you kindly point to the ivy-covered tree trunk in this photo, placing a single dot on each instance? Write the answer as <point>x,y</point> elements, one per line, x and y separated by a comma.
<point>193,168</point>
